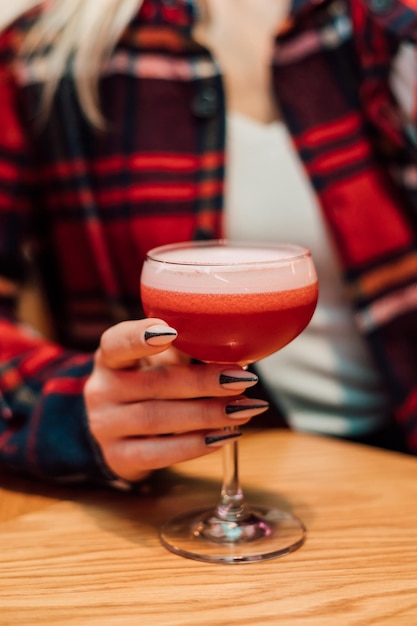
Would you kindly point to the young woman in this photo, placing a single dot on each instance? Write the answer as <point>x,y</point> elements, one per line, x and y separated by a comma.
<point>130,124</point>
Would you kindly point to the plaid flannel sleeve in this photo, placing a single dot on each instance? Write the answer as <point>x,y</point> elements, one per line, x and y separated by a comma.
<point>43,425</point>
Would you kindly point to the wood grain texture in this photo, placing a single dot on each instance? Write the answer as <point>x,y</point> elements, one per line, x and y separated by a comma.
<point>94,558</point>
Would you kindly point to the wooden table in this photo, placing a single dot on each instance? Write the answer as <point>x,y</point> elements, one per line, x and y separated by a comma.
<point>83,557</point>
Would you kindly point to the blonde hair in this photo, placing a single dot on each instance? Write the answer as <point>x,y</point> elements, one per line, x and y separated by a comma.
<point>84,31</point>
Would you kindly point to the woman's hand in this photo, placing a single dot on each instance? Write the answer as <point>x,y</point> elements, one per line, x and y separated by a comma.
<point>149,408</point>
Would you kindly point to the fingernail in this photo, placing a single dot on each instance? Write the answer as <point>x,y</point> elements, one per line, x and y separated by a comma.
<point>236,379</point>
<point>246,407</point>
<point>221,437</point>
<point>159,335</point>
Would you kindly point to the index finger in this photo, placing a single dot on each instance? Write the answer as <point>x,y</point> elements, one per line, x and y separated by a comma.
<point>123,345</point>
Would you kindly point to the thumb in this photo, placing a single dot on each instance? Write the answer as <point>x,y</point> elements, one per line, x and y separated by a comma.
<point>125,343</point>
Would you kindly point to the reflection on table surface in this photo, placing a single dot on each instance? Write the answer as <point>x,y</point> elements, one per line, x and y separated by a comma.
<point>82,556</point>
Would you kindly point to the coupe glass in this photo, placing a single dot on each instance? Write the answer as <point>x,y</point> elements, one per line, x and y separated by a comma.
<point>231,303</point>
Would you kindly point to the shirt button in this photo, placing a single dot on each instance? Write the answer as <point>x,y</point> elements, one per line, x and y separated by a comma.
<point>205,103</point>
<point>380,6</point>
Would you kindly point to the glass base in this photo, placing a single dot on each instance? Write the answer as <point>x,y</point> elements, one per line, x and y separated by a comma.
<point>263,534</point>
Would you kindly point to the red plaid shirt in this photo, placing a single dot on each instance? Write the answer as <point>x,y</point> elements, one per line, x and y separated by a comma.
<point>85,205</point>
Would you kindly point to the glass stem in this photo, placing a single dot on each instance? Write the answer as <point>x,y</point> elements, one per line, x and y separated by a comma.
<point>232,507</point>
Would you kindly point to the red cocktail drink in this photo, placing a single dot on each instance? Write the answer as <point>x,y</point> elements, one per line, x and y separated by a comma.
<point>232,327</point>
<point>232,303</point>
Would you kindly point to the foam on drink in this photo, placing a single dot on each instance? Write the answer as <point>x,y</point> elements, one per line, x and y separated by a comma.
<point>218,268</point>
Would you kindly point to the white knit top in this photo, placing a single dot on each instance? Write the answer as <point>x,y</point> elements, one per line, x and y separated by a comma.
<point>324,380</point>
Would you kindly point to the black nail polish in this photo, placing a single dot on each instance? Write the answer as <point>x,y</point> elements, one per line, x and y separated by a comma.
<point>235,408</point>
<point>165,333</point>
<point>213,439</point>
<point>227,380</point>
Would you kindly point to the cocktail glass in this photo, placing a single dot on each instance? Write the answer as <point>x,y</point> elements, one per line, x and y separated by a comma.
<point>231,303</point>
